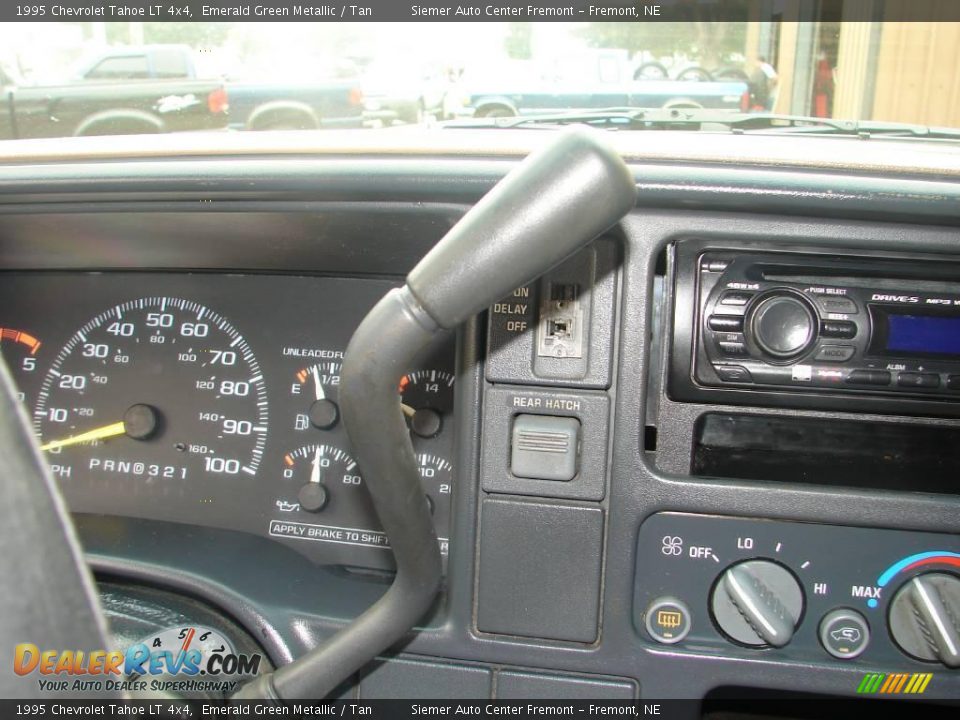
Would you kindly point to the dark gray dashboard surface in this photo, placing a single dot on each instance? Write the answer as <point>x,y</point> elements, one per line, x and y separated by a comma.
<point>376,218</point>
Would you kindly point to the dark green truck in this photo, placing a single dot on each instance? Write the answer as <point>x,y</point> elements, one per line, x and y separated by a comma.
<point>109,108</point>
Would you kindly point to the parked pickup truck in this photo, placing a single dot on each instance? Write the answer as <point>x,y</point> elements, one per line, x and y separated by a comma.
<point>268,105</point>
<point>538,98</point>
<point>109,108</point>
<point>272,105</point>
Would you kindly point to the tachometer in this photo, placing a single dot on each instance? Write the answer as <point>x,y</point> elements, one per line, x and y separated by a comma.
<point>19,349</point>
<point>154,389</point>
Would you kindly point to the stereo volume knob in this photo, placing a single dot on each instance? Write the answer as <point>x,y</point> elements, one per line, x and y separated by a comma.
<point>783,325</point>
<point>757,603</point>
<point>925,618</point>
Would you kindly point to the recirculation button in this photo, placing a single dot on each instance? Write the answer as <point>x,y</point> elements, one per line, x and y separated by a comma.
<point>844,633</point>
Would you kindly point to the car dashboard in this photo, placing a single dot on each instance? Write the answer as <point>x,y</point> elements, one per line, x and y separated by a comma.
<point>713,454</point>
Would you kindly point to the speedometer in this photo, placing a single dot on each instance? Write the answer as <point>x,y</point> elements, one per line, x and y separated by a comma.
<point>156,390</point>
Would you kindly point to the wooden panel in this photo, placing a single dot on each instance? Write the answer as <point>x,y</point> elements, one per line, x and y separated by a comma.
<point>916,76</point>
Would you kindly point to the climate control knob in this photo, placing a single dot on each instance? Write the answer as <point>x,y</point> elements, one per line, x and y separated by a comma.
<point>925,618</point>
<point>757,603</point>
<point>782,325</point>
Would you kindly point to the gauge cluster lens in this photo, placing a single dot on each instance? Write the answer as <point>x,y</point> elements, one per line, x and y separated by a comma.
<point>214,400</point>
<point>122,379</point>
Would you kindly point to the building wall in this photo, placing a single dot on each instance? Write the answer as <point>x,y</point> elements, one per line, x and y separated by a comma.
<point>918,70</point>
<point>901,65</point>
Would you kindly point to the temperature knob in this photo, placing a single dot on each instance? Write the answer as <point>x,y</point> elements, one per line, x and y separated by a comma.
<point>757,603</point>
<point>783,325</point>
<point>925,618</point>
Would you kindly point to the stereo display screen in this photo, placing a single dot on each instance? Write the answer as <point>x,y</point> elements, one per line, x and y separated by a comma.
<point>922,334</point>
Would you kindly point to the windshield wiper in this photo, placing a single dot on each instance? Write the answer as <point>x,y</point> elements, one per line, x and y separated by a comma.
<point>712,120</point>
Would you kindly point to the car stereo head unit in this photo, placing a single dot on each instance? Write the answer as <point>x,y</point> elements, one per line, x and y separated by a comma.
<point>826,325</point>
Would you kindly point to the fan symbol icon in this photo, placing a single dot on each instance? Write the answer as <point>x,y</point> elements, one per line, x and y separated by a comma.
<point>672,545</point>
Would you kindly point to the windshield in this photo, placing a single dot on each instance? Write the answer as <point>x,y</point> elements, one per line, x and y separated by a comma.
<point>804,60</point>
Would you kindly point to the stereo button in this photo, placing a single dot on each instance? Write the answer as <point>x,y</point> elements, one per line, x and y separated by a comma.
<point>726,323</point>
<point>715,265</point>
<point>869,377</point>
<point>837,305</point>
<point>733,373</point>
<point>738,299</point>
<point>835,353</point>
<point>918,380</point>
<point>733,349</point>
<point>843,329</point>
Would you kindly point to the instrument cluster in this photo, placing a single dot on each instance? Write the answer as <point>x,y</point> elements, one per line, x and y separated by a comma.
<point>213,400</point>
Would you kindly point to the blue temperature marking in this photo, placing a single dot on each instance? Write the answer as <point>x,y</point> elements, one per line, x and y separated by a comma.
<point>888,574</point>
<point>872,603</point>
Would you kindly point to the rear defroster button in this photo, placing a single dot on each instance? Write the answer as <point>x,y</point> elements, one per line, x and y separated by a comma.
<point>668,620</point>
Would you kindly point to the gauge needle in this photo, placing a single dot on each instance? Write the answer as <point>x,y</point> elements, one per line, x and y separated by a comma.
<point>317,384</point>
<point>407,410</point>
<point>107,431</point>
<point>315,471</point>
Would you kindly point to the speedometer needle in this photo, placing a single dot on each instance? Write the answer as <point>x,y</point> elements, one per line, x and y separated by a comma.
<point>107,431</point>
<point>139,422</point>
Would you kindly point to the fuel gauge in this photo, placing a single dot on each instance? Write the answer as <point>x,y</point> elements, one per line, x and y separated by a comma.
<point>321,382</point>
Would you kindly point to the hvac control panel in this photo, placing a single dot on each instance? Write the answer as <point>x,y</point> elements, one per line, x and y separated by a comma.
<point>801,592</point>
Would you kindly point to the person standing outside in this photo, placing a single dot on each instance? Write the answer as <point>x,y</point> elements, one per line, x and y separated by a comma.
<point>763,85</point>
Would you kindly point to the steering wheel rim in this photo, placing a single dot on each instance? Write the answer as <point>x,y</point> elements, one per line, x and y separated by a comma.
<point>50,601</point>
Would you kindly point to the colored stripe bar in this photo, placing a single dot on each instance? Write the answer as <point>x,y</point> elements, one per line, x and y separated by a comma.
<point>865,683</point>
<point>900,683</point>
<point>890,683</point>
<point>870,683</point>
<point>888,574</point>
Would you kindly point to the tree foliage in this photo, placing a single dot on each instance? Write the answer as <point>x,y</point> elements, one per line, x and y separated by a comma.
<point>706,41</point>
<point>518,42</point>
<point>194,34</point>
